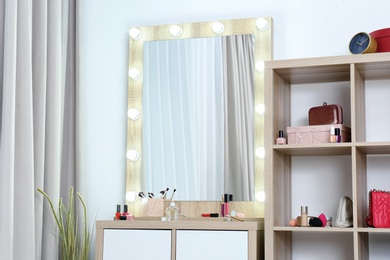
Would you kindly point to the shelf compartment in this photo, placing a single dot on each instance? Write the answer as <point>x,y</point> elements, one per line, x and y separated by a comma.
<point>373,230</point>
<point>331,229</point>
<point>313,229</point>
<point>374,70</point>
<point>374,147</point>
<point>314,150</point>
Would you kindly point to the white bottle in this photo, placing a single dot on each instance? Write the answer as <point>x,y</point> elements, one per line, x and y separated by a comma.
<point>172,212</point>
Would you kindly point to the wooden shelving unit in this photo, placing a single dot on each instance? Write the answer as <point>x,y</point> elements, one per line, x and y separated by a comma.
<point>282,77</point>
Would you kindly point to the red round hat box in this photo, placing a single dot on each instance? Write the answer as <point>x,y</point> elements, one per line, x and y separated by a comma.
<point>382,38</point>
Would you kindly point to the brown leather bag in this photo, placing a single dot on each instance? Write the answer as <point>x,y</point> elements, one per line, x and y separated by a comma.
<point>326,114</point>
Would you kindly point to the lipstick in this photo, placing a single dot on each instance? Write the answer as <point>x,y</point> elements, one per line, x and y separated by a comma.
<point>210,215</point>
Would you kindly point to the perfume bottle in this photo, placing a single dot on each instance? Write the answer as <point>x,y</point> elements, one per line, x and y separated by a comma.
<point>172,212</point>
<point>280,140</point>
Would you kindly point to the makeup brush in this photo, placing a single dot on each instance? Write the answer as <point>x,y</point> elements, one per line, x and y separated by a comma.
<point>173,193</point>
<point>162,193</point>
<point>165,193</point>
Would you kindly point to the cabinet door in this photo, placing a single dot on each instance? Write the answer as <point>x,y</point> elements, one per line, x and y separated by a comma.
<point>211,245</point>
<point>137,244</point>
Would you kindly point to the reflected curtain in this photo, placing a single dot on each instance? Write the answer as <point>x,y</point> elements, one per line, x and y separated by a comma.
<point>37,122</point>
<point>239,116</point>
<point>182,126</point>
<point>198,117</point>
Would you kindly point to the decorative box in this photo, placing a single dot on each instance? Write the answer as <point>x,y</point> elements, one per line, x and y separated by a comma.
<point>382,38</point>
<point>316,134</point>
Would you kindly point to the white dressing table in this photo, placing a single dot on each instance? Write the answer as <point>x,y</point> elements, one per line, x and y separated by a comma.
<point>186,239</point>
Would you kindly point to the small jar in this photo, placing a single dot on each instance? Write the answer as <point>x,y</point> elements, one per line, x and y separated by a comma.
<point>329,222</point>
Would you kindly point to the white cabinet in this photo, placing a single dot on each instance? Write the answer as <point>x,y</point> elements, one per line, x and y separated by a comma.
<point>151,239</point>
<point>211,245</point>
<point>137,244</point>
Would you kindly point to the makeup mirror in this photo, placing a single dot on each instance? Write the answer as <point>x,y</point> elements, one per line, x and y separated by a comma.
<point>261,31</point>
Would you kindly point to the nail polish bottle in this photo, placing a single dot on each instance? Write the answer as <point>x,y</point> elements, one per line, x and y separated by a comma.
<point>118,212</point>
<point>125,211</point>
<point>304,222</point>
<point>280,140</point>
<point>333,138</point>
<point>338,135</point>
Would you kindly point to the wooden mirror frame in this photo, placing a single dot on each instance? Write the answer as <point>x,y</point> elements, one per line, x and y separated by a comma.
<point>262,31</point>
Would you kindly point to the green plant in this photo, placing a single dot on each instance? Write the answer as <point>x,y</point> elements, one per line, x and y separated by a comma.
<point>72,245</point>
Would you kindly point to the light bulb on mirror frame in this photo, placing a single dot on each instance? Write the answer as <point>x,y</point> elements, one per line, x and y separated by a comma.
<point>134,73</point>
<point>218,27</point>
<point>133,113</point>
<point>260,196</point>
<point>135,33</point>
<point>260,66</point>
<point>132,155</point>
<point>176,30</point>
<point>131,196</point>
<point>260,109</point>
<point>262,24</point>
<point>260,152</point>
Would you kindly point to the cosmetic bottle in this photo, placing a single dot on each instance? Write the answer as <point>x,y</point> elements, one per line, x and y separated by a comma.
<point>118,212</point>
<point>172,212</point>
<point>226,204</point>
<point>280,140</point>
<point>125,211</point>
<point>337,135</point>
<point>332,135</point>
<point>304,222</point>
<point>223,206</point>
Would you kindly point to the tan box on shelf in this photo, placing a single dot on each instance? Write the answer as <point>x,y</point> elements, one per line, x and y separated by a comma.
<point>316,134</point>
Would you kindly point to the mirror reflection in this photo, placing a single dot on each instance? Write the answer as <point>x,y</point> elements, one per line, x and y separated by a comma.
<point>198,101</point>
<point>231,113</point>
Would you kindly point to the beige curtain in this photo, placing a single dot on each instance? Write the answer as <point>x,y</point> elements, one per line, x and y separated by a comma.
<point>37,122</point>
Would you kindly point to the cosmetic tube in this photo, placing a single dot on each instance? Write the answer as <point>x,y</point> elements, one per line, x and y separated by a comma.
<point>223,206</point>
<point>226,204</point>
<point>280,140</point>
<point>304,220</point>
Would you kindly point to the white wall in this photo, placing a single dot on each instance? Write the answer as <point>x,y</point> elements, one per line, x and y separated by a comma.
<point>302,28</point>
